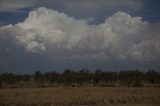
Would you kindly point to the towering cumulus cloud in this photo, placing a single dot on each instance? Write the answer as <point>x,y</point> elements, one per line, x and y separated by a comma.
<point>120,36</point>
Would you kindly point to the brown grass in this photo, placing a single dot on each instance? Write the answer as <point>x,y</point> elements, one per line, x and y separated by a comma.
<point>74,96</point>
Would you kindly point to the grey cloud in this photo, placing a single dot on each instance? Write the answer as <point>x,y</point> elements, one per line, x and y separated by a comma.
<point>146,50</point>
<point>14,5</point>
<point>95,4</point>
<point>89,5</point>
<point>56,34</point>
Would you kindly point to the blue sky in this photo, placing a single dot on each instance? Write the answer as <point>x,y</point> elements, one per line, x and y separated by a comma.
<point>58,34</point>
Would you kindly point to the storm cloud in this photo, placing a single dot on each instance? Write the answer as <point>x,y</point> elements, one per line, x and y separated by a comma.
<point>121,36</point>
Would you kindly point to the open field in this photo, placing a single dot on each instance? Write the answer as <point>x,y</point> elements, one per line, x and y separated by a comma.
<point>80,96</point>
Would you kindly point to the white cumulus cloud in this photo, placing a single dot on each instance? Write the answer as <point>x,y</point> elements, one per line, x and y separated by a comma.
<point>120,36</point>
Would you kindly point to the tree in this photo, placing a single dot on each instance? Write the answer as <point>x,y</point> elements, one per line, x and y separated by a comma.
<point>37,75</point>
<point>125,78</point>
<point>51,77</point>
<point>0,82</point>
<point>152,76</point>
<point>9,78</point>
<point>97,76</point>
<point>83,76</point>
<point>26,77</point>
<point>68,77</point>
<point>39,79</point>
<point>137,77</point>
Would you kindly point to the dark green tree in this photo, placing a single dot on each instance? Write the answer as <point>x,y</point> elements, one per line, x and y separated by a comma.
<point>152,76</point>
<point>52,77</point>
<point>97,77</point>
<point>26,77</point>
<point>0,82</point>
<point>68,77</point>
<point>39,78</point>
<point>9,78</point>
<point>83,76</point>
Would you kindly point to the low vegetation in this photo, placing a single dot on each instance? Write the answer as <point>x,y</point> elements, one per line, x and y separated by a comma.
<point>81,88</point>
<point>128,78</point>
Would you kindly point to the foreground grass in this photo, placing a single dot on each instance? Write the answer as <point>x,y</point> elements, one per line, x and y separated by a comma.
<point>74,96</point>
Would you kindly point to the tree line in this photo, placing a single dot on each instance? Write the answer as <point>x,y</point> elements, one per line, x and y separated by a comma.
<point>84,77</point>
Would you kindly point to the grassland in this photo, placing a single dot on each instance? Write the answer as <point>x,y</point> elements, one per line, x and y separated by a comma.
<point>80,96</point>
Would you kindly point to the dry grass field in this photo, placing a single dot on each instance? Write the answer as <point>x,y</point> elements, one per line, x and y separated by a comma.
<point>80,96</point>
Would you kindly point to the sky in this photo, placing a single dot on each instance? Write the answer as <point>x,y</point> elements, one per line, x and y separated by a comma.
<point>47,35</point>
